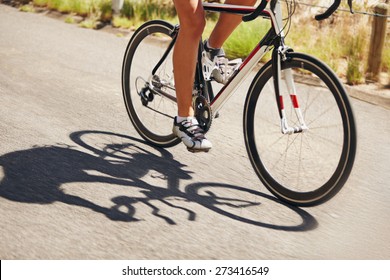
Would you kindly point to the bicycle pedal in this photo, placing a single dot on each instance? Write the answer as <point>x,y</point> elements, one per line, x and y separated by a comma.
<point>197,150</point>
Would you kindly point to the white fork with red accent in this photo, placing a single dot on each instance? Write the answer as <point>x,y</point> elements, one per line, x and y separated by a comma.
<point>286,129</point>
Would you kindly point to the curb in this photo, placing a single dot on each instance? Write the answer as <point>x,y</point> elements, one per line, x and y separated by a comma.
<point>376,97</point>
<point>375,94</point>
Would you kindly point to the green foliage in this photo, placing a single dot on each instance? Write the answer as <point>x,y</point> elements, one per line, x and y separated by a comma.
<point>356,50</point>
<point>89,23</point>
<point>143,10</point>
<point>106,10</point>
<point>40,3</point>
<point>122,22</point>
<point>128,9</point>
<point>69,19</point>
<point>27,9</point>
<point>81,7</point>
<point>245,38</point>
<point>386,56</point>
<point>354,74</point>
<point>57,4</point>
<point>340,41</point>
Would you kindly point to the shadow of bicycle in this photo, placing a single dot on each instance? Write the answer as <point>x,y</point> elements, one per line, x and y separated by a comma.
<point>37,175</point>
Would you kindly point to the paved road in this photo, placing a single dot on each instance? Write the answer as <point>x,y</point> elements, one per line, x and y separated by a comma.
<point>65,194</point>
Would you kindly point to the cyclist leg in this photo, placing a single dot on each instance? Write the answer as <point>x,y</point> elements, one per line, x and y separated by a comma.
<point>222,68</point>
<point>192,22</point>
<point>226,24</point>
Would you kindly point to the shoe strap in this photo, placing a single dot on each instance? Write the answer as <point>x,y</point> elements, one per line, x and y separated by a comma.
<point>194,129</point>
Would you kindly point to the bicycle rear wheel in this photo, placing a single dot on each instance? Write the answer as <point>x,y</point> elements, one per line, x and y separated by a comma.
<point>148,82</point>
<point>310,167</point>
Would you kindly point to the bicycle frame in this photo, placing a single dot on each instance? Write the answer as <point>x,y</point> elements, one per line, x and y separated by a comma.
<point>249,63</point>
<point>274,38</point>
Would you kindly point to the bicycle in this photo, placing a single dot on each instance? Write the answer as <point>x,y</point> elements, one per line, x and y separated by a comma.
<point>302,151</point>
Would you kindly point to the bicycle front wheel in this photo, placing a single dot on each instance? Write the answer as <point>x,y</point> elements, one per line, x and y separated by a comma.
<point>305,168</point>
<point>148,82</point>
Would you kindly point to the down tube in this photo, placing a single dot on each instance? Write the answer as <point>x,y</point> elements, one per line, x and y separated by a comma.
<point>227,91</point>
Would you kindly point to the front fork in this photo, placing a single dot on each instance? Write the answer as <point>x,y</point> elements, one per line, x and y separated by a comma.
<point>279,54</point>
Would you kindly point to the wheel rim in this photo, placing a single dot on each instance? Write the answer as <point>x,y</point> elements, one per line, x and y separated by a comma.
<point>151,112</point>
<point>301,168</point>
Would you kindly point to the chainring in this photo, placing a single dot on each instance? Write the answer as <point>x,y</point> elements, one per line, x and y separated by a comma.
<point>203,112</point>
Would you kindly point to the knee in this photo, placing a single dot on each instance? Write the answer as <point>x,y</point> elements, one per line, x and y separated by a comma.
<point>193,25</point>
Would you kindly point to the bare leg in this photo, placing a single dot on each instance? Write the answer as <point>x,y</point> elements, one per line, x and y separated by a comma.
<point>192,22</point>
<point>226,24</point>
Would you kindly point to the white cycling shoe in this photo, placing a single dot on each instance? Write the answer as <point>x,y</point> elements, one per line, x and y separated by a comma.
<point>192,135</point>
<point>216,66</point>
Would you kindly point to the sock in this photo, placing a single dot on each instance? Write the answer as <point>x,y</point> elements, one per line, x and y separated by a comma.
<point>214,52</point>
<point>179,119</point>
<point>207,46</point>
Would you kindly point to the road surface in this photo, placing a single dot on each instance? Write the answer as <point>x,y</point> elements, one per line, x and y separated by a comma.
<point>77,182</point>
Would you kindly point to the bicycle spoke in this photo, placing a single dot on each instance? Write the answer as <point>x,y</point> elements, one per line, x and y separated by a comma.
<point>153,111</point>
<point>301,167</point>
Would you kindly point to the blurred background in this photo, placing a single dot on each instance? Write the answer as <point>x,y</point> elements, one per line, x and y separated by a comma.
<point>355,46</point>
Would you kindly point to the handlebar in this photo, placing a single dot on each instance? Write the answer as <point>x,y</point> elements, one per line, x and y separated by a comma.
<point>329,11</point>
<point>256,12</point>
<point>322,16</point>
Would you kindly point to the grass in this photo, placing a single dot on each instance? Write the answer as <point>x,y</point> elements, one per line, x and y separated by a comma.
<point>139,11</point>
<point>106,10</point>
<point>70,19</point>
<point>89,23</point>
<point>79,7</point>
<point>245,38</point>
<point>386,56</point>
<point>122,22</point>
<point>356,54</point>
<point>27,8</point>
<point>40,3</point>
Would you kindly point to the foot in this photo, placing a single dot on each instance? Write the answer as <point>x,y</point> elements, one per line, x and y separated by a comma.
<point>217,66</point>
<point>192,135</point>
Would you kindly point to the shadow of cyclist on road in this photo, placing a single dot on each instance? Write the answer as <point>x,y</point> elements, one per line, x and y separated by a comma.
<point>37,175</point>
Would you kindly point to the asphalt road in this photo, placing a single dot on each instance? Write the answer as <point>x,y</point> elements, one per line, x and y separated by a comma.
<point>77,182</point>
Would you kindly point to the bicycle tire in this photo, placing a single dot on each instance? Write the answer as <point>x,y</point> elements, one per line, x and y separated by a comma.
<point>308,168</point>
<point>151,108</point>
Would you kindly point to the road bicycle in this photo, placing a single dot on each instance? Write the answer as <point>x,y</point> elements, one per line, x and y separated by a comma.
<point>298,123</point>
